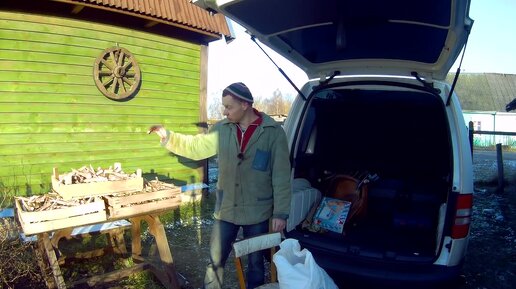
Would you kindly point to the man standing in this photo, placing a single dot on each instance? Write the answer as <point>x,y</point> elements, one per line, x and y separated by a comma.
<point>254,178</point>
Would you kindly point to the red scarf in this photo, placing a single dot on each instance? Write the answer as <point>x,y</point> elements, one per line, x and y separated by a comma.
<point>244,136</point>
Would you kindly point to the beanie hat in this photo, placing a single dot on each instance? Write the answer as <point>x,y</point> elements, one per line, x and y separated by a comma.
<point>239,90</point>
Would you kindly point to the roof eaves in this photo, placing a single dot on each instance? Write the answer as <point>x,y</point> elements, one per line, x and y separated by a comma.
<point>179,13</point>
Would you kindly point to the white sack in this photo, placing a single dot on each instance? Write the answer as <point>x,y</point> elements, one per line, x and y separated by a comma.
<point>297,268</point>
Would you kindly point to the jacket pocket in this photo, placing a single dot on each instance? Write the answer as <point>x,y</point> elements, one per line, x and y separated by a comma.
<point>261,160</point>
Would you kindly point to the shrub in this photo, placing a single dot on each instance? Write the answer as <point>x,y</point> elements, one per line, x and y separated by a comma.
<point>18,265</point>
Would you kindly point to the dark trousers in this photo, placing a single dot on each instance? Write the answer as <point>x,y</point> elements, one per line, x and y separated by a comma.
<point>222,237</point>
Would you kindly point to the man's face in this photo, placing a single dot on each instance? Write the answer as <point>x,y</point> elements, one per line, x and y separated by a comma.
<point>234,109</point>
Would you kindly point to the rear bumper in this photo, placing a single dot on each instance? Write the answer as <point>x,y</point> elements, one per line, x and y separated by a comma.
<point>358,272</point>
<point>370,275</point>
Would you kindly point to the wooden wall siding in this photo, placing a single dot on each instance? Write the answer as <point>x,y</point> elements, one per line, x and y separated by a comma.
<point>52,114</point>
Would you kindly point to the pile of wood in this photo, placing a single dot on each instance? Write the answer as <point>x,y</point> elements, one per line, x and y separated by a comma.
<point>87,182</point>
<point>87,174</point>
<point>53,200</point>
<point>50,201</point>
<point>89,196</point>
<point>156,185</point>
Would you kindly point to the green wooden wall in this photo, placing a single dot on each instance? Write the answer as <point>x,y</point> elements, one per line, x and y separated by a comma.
<point>53,115</point>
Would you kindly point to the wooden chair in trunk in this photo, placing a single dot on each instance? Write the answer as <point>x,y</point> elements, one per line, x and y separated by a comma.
<point>247,246</point>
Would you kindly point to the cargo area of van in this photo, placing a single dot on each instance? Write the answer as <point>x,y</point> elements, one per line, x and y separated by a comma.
<point>402,138</point>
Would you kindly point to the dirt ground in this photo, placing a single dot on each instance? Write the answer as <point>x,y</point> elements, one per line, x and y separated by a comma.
<point>491,255</point>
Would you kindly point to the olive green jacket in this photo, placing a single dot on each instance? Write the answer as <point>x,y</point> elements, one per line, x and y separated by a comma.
<point>249,190</point>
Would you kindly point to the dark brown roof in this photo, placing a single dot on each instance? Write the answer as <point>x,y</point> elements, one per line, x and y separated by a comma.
<point>173,12</point>
<point>485,91</point>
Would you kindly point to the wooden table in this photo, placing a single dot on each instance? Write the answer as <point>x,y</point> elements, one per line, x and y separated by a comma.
<point>137,208</point>
<point>163,268</point>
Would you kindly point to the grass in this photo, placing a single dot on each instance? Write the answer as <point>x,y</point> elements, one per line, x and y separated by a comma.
<point>505,148</point>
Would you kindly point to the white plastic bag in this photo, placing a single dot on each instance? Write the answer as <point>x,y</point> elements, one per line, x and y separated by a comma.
<point>297,268</point>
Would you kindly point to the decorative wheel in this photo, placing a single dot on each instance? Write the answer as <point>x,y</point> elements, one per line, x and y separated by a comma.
<point>117,74</point>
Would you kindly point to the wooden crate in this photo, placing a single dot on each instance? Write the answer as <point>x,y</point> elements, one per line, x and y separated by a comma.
<point>96,189</point>
<point>144,203</point>
<point>51,220</point>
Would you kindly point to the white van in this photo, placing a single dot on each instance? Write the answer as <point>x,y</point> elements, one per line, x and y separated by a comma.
<point>376,105</point>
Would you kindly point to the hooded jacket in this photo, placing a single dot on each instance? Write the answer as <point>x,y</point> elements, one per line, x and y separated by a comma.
<point>250,189</point>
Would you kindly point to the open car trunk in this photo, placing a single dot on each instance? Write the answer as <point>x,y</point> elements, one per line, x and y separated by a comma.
<point>401,136</point>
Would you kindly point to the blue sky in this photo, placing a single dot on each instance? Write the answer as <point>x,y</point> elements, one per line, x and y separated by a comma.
<point>491,48</point>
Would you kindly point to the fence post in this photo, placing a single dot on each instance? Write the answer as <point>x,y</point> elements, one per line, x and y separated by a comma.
<point>499,160</point>
<point>471,137</point>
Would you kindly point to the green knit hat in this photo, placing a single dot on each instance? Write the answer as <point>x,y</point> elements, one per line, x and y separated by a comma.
<point>239,90</point>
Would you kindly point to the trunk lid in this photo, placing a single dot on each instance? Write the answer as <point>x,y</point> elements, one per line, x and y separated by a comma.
<point>374,37</point>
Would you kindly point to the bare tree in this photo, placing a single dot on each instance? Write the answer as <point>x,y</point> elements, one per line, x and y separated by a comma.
<point>277,104</point>
<point>259,103</point>
<point>215,106</point>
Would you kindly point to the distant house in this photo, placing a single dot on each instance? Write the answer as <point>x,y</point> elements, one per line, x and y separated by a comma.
<point>82,80</point>
<point>483,98</point>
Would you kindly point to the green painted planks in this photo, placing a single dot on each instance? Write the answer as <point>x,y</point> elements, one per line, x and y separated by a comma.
<point>53,115</point>
<point>31,53</point>
<point>88,108</point>
<point>28,118</point>
<point>64,27</point>
<point>71,68</point>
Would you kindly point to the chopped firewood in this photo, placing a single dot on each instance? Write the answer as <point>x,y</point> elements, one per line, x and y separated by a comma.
<point>87,174</point>
<point>50,201</point>
<point>156,185</point>
<point>58,198</point>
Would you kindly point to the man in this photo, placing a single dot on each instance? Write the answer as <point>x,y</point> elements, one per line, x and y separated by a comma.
<point>254,178</point>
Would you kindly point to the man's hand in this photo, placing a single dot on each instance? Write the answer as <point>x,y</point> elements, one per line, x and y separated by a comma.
<point>278,224</point>
<point>159,130</point>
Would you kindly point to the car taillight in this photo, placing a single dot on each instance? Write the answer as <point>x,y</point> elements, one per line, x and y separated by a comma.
<point>462,217</point>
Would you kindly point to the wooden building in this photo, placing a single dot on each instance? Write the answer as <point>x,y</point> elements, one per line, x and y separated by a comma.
<point>483,98</point>
<point>82,80</point>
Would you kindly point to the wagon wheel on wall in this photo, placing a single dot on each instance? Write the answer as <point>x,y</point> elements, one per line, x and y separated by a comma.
<point>117,74</point>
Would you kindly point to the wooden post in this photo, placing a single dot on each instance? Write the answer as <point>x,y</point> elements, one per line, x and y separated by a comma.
<point>45,244</point>
<point>240,273</point>
<point>44,266</point>
<point>274,270</point>
<point>117,242</point>
<point>471,136</point>
<point>203,106</point>
<point>157,229</point>
<point>499,160</point>
<point>136,238</point>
